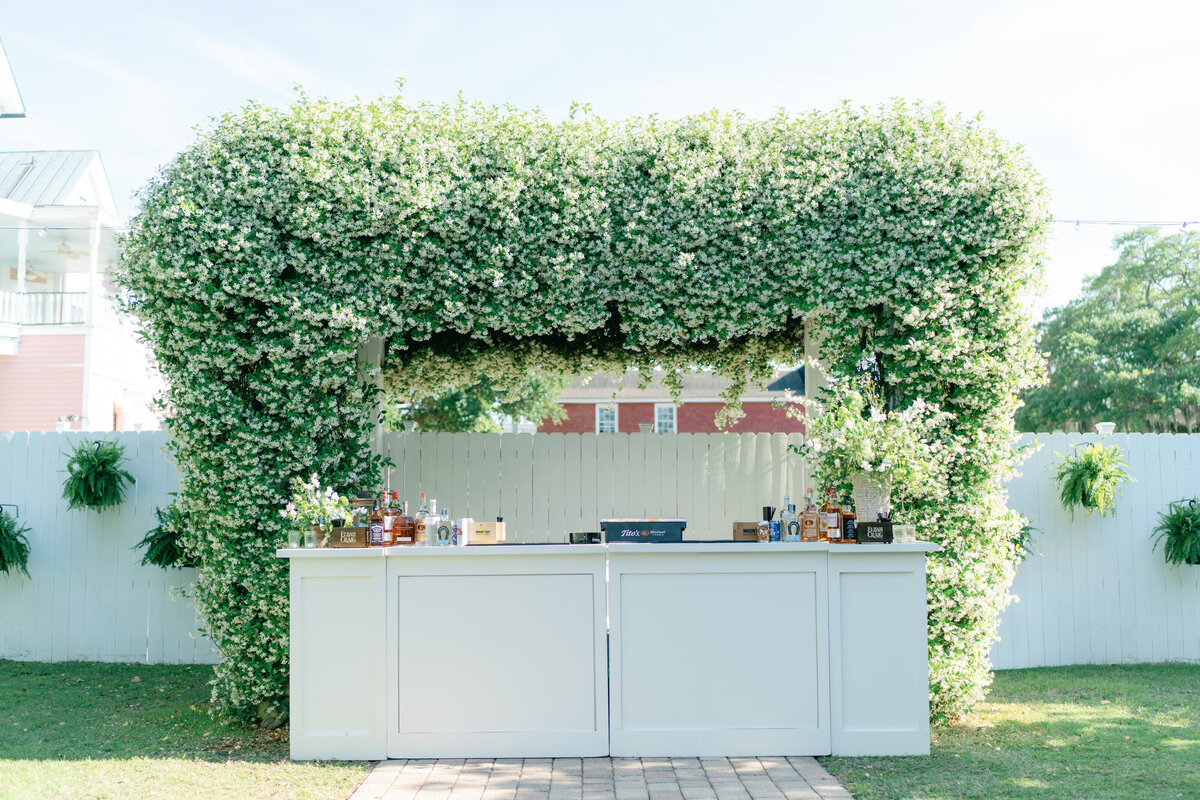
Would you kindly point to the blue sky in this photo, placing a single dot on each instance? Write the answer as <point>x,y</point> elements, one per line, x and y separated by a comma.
<point>1102,95</point>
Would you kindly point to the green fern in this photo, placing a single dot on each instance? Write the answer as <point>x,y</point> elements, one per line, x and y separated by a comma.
<point>1092,477</point>
<point>95,478</point>
<point>1178,531</point>
<point>14,546</point>
<point>161,543</point>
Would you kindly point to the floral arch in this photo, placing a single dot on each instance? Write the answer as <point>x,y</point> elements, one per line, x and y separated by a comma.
<point>465,239</point>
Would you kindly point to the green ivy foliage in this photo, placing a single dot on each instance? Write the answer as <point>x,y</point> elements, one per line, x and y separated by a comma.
<point>477,241</point>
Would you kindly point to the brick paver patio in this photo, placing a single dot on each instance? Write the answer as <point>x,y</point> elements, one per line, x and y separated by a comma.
<point>765,778</point>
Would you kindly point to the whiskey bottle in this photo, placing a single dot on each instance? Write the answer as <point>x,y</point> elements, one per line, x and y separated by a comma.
<point>849,522</point>
<point>405,526</point>
<point>831,517</point>
<point>375,526</point>
<point>810,520</point>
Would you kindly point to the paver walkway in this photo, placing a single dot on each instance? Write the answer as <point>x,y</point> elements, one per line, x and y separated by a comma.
<point>766,778</point>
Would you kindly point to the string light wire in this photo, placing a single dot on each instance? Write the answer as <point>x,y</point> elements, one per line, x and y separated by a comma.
<point>42,230</point>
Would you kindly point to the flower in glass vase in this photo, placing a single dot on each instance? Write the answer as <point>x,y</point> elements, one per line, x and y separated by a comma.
<point>852,438</point>
<point>315,505</point>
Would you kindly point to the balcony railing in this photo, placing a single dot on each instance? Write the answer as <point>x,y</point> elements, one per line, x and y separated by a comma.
<point>56,308</point>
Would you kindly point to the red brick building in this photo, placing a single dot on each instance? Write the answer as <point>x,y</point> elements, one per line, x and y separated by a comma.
<point>591,407</point>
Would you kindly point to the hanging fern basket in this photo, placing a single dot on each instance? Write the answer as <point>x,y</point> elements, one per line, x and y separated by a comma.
<point>14,545</point>
<point>96,478</point>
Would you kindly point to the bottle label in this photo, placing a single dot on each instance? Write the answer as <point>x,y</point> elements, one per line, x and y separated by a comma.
<point>376,530</point>
<point>388,523</point>
<point>445,533</point>
<point>793,530</point>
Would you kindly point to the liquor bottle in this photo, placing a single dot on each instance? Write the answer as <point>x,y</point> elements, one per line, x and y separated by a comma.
<point>389,520</point>
<point>405,526</point>
<point>789,523</point>
<point>375,526</point>
<point>831,517</point>
<point>810,520</point>
<point>420,532</point>
<point>431,522</point>
<point>444,531</point>
<point>849,522</point>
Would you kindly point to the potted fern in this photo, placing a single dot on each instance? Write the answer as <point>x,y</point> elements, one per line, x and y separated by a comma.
<point>1178,531</point>
<point>14,545</point>
<point>1091,477</point>
<point>96,477</point>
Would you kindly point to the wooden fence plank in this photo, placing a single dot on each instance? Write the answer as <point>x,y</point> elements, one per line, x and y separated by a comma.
<point>538,526</point>
<point>569,516</point>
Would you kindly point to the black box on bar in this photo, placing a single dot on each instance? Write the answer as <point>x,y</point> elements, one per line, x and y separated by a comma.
<point>643,530</point>
<point>874,533</point>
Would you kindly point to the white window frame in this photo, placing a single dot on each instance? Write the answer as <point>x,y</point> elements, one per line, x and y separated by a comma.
<point>674,417</point>
<point>616,417</point>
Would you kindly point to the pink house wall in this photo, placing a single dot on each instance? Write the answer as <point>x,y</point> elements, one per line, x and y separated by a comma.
<point>43,382</point>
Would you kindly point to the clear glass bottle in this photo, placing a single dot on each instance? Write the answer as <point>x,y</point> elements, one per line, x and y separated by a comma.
<point>444,530</point>
<point>389,519</point>
<point>789,523</point>
<point>420,530</point>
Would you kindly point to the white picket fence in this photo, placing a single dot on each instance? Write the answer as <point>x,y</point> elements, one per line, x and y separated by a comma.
<point>546,485</point>
<point>88,598</point>
<point>1097,592</point>
<point>1094,593</point>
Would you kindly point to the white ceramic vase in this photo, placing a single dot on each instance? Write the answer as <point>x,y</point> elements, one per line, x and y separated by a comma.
<point>871,497</point>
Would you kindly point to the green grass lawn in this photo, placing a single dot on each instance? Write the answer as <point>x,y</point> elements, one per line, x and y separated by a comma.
<point>123,731</point>
<point>1077,733</point>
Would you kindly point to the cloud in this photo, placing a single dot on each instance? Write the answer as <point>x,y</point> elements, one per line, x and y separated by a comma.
<point>263,66</point>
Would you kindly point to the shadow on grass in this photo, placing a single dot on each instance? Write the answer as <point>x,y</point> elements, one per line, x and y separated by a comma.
<point>1070,732</point>
<point>79,710</point>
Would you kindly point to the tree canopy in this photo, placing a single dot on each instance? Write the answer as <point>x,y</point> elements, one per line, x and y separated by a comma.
<point>1127,349</point>
<point>477,406</point>
<point>475,241</point>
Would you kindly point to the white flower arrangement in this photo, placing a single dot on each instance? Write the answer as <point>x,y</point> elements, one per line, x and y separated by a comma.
<point>851,433</point>
<point>314,505</point>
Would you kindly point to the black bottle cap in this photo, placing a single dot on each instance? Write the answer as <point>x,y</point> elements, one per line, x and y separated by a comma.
<point>499,519</point>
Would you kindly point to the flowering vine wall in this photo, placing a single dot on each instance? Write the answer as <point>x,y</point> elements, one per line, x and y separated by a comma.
<point>473,240</point>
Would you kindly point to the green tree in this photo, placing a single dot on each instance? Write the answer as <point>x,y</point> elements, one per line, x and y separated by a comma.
<point>476,407</point>
<point>1127,350</point>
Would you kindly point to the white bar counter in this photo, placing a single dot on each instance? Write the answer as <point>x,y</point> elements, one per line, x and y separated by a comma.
<point>692,649</point>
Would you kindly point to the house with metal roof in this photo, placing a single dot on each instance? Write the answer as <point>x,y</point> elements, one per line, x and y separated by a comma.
<point>67,357</point>
<point>619,404</point>
<point>11,104</point>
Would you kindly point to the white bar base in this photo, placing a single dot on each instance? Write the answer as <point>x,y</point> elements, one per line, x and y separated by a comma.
<point>707,649</point>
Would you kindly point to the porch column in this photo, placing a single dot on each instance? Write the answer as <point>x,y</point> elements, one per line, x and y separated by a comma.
<point>93,271</point>
<point>22,259</point>
<point>814,380</point>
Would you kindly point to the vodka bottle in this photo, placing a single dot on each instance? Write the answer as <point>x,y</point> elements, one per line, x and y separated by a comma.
<point>789,523</point>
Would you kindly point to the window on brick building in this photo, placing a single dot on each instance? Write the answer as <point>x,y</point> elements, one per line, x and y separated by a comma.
<point>664,418</point>
<point>606,419</point>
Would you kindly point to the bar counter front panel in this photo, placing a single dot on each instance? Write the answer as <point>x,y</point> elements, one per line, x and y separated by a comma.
<point>692,649</point>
